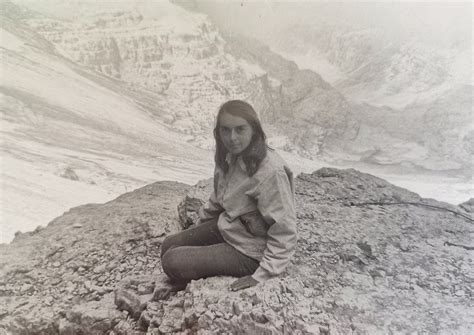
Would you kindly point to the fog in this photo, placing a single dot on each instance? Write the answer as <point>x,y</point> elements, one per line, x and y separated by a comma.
<point>445,23</point>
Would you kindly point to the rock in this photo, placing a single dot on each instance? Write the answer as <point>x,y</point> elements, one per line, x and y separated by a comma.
<point>404,246</point>
<point>258,317</point>
<point>123,327</point>
<point>145,320</point>
<point>70,287</point>
<point>164,288</point>
<point>48,301</point>
<point>95,317</point>
<point>131,302</point>
<point>460,293</point>
<point>69,173</point>
<point>100,269</point>
<point>468,206</point>
<point>145,289</point>
<point>188,211</point>
<point>367,256</point>
<point>27,288</point>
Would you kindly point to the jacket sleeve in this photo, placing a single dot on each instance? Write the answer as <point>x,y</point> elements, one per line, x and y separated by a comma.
<point>275,201</point>
<point>211,209</point>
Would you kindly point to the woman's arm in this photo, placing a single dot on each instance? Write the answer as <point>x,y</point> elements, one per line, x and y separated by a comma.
<point>275,201</point>
<point>211,209</point>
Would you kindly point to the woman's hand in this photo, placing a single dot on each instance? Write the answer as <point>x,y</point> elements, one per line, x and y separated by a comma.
<point>242,283</point>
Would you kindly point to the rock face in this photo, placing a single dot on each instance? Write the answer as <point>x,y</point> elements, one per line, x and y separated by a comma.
<point>170,53</point>
<point>184,68</point>
<point>420,134</point>
<point>371,258</point>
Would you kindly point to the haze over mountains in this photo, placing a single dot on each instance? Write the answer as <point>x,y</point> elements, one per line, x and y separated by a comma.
<point>392,53</point>
<point>412,60</point>
<point>100,98</point>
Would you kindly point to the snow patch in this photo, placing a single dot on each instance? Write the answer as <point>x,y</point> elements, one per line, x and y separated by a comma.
<point>10,41</point>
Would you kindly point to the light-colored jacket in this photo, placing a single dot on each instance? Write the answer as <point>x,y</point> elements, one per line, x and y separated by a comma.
<point>256,215</point>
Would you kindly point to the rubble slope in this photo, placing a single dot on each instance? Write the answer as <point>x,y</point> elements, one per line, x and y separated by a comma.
<point>371,258</point>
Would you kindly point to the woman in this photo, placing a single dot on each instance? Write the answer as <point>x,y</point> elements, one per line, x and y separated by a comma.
<point>247,229</point>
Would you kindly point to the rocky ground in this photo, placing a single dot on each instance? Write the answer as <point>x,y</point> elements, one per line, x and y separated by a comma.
<point>371,258</point>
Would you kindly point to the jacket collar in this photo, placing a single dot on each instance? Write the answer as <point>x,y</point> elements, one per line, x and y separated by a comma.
<point>232,159</point>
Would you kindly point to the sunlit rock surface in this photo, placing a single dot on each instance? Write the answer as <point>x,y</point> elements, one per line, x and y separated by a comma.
<point>371,258</point>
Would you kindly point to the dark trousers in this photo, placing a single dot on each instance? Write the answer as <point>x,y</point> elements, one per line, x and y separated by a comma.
<point>201,252</point>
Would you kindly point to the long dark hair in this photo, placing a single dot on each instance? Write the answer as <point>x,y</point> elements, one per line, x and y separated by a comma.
<point>256,151</point>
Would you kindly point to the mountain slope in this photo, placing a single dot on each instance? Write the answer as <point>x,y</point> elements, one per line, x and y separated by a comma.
<point>71,136</point>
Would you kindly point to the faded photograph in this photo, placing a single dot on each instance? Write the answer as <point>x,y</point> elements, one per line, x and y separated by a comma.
<point>236,167</point>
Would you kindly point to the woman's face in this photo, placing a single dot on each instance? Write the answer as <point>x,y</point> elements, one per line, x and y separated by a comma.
<point>235,132</point>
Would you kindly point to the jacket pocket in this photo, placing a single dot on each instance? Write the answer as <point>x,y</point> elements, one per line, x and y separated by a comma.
<point>254,223</point>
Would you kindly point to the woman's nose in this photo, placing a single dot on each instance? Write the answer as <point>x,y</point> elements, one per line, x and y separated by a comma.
<point>233,135</point>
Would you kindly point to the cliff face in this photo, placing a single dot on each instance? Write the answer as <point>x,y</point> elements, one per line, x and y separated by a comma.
<point>371,258</point>
<point>174,55</point>
<point>188,68</point>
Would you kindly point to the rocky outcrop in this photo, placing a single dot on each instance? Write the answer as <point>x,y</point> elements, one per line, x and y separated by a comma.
<point>312,113</point>
<point>371,258</point>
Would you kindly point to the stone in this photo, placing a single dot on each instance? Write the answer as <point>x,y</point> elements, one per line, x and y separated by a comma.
<point>188,211</point>
<point>258,317</point>
<point>100,268</point>
<point>69,173</point>
<point>145,289</point>
<point>123,327</point>
<point>145,320</point>
<point>468,206</point>
<point>131,302</point>
<point>27,288</point>
<point>95,317</point>
<point>460,293</point>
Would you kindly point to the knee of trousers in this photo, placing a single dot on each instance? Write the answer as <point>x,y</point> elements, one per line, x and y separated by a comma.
<point>167,243</point>
<point>171,265</point>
